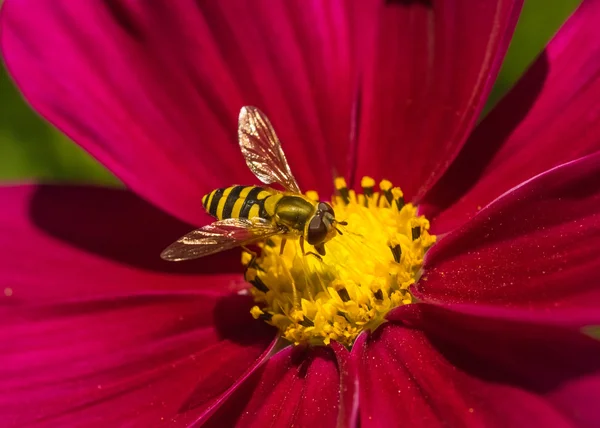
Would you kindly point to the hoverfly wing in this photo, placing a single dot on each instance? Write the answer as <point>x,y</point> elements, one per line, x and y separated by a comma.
<point>262,149</point>
<point>220,236</point>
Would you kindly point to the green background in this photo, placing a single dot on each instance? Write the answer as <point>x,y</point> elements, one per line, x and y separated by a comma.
<point>32,149</point>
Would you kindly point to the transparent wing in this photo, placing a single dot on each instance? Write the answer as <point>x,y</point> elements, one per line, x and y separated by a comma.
<point>262,149</point>
<point>220,236</point>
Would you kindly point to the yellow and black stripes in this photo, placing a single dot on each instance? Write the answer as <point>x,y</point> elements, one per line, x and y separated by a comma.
<point>239,202</point>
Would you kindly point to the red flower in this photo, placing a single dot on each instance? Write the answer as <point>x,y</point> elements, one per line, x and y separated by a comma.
<point>98,331</point>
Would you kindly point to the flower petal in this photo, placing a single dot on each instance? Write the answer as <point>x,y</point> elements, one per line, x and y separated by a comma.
<point>72,242</point>
<point>474,372</point>
<point>153,90</point>
<point>124,360</point>
<point>348,411</point>
<point>432,64</point>
<point>296,387</point>
<point>535,247</point>
<point>101,338</point>
<point>549,118</point>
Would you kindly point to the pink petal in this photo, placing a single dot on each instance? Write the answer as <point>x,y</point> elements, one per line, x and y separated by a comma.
<point>535,247</point>
<point>134,360</point>
<point>475,372</point>
<point>74,241</point>
<point>296,387</point>
<point>550,117</point>
<point>153,90</point>
<point>432,64</point>
<point>92,341</point>
<point>348,411</point>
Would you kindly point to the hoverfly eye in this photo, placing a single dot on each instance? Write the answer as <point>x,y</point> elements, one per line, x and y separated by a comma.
<point>317,231</point>
<point>325,208</point>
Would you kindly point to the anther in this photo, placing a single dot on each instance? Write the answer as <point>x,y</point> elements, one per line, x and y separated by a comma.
<point>400,202</point>
<point>388,196</point>
<point>398,197</point>
<point>312,195</point>
<point>416,233</point>
<point>386,189</point>
<point>307,322</point>
<point>265,316</point>
<point>396,252</point>
<point>343,315</point>
<point>367,184</point>
<point>259,284</point>
<point>343,293</point>
<point>340,185</point>
<point>254,264</point>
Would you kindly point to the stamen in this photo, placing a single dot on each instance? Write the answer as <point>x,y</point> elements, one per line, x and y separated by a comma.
<point>363,274</point>
<point>344,294</point>
<point>386,188</point>
<point>307,323</point>
<point>254,279</point>
<point>396,252</point>
<point>398,197</point>
<point>257,282</point>
<point>416,233</point>
<point>367,184</point>
<point>265,317</point>
<point>340,185</point>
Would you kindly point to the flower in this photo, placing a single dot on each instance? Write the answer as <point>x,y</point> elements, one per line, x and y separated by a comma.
<point>354,282</point>
<point>98,331</point>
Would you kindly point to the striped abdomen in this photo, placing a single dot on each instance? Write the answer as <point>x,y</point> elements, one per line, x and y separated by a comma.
<point>241,202</point>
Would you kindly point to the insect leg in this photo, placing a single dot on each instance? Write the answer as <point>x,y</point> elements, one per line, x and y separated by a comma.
<point>320,249</point>
<point>283,241</point>
<point>252,262</point>
<point>256,281</point>
<point>304,253</point>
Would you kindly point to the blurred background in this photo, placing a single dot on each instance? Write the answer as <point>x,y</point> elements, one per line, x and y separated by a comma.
<point>30,149</point>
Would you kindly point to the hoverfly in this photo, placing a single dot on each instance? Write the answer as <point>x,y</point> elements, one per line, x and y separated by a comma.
<point>248,214</point>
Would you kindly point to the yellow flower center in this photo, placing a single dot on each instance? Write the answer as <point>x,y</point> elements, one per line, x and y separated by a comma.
<point>366,272</point>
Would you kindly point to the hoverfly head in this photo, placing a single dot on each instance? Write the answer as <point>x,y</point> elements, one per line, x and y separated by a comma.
<point>322,225</point>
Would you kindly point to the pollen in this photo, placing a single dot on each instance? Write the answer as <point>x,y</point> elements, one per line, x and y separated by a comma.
<point>367,269</point>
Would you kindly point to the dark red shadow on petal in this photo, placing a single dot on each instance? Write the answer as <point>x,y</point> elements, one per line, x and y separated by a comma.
<point>230,317</point>
<point>90,307</point>
<point>125,18</point>
<point>296,387</point>
<point>237,330</point>
<point>118,225</point>
<point>427,3</point>
<point>533,356</point>
<point>474,156</point>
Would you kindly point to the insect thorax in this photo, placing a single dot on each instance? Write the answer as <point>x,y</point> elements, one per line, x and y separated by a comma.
<point>294,212</point>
